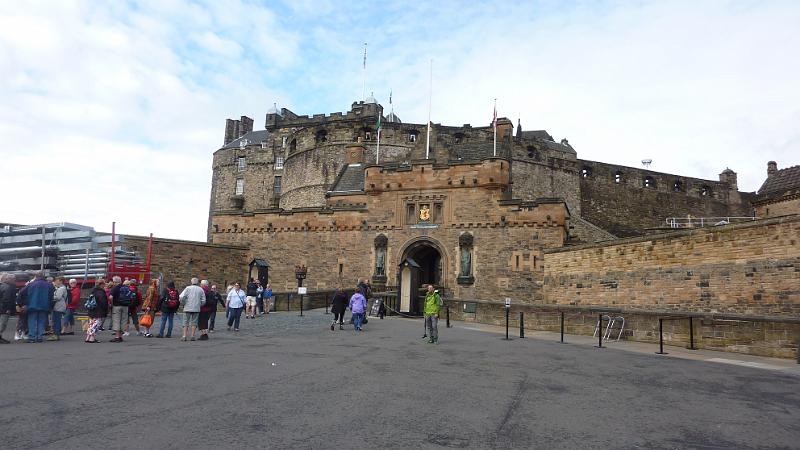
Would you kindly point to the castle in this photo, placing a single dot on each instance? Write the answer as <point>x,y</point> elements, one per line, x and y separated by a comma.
<point>464,212</point>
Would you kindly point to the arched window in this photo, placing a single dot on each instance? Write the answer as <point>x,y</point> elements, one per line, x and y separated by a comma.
<point>705,190</point>
<point>293,146</point>
<point>321,136</point>
<point>459,138</point>
<point>412,136</point>
<point>586,172</point>
<point>533,153</point>
<point>618,177</point>
<point>677,186</point>
<point>649,182</point>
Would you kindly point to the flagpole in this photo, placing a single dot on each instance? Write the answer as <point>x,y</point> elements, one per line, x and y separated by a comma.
<point>364,70</point>
<point>430,96</point>
<point>494,125</point>
<point>378,149</point>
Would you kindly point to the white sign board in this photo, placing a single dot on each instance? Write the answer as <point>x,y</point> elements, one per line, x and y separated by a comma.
<point>302,290</point>
<point>508,302</point>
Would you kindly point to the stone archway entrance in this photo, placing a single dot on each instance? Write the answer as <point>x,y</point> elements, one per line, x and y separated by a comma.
<point>421,263</point>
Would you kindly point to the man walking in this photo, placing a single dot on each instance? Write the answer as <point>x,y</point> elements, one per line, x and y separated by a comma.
<point>192,298</point>
<point>215,299</point>
<point>38,295</point>
<point>433,302</point>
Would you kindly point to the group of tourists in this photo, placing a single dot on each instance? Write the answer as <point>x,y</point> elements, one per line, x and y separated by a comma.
<point>48,307</point>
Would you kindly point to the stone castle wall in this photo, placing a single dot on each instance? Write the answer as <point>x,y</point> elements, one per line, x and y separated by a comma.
<point>627,207</point>
<point>751,269</point>
<point>179,260</point>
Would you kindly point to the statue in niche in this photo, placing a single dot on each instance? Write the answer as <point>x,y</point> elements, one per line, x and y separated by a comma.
<point>466,262</point>
<point>380,261</point>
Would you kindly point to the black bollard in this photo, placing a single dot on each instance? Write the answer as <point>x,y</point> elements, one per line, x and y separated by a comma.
<point>600,331</point>
<point>288,301</point>
<point>691,334</point>
<point>301,305</point>
<point>507,311</point>
<point>448,316</point>
<point>326,305</point>
<point>660,337</point>
<point>521,325</point>
<point>562,327</point>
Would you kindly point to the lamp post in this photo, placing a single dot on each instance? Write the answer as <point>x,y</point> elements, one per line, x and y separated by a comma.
<point>300,272</point>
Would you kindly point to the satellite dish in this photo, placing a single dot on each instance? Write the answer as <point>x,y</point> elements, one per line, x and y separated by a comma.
<point>646,162</point>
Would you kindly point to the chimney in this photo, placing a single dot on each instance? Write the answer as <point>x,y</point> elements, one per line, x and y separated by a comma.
<point>772,168</point>
<point>231,130</point>
<point>245,125</point>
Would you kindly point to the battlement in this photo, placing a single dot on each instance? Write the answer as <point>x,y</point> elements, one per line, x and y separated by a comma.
<point>287,118</point>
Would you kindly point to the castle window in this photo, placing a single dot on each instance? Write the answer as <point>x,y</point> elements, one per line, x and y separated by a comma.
<point>239,186</point>
<point>293,145</point>
<point>412,136</point>
<point>276,186</point>
<point>263,144</point>
<point>705,191</point>
<point>278,162</point>
<point>533,153</point>
<point>586,172</point>
<point>618,177</point>
<point>411,216</point>
<point>649,182</point>
<point>367,135</point>
<point>677,186</point>
<point>322,136</point>
<point>438,212</point>
<point>459,138</point>
<point>241,163</point>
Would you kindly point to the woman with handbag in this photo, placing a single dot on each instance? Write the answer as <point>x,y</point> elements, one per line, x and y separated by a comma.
<point>149,307</point>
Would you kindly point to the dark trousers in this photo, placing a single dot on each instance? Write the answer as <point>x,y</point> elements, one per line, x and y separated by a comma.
<point>202,320</point>
<point>212,316</point>
<point>166,318</point>
<point>338,317</point>
<point>234,314</point>
<point>260,304</point>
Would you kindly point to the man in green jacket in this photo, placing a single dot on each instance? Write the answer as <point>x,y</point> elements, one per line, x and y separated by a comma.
<point>433,302</point>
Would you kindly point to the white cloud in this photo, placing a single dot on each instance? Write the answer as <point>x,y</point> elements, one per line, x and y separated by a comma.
<point>99,87</point>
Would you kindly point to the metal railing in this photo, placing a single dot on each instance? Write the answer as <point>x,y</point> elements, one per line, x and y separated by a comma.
<point>700,222</point>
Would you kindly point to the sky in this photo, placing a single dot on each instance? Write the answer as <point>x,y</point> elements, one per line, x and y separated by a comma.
<point>111,110</point>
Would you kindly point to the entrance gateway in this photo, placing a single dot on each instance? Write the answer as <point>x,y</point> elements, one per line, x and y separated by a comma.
<point>421,264</point>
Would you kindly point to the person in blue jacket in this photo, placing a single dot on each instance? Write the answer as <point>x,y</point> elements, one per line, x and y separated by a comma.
<point>38,296</point>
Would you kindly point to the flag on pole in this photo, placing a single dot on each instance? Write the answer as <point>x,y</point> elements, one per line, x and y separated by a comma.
<point>494,127</point>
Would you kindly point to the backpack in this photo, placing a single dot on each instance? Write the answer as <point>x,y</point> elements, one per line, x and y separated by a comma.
<point>91,303</point>
<point>173,302</point>
<point>126,296</point>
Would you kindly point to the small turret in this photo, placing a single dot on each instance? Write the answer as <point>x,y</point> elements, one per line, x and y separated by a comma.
<point>772,168</point>
<point>729,176</point>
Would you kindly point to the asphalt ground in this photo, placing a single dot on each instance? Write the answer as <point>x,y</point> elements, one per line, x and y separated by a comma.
<point>289,382</point>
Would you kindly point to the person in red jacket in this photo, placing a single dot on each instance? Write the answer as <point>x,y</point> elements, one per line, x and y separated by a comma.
<point>73,303</point>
